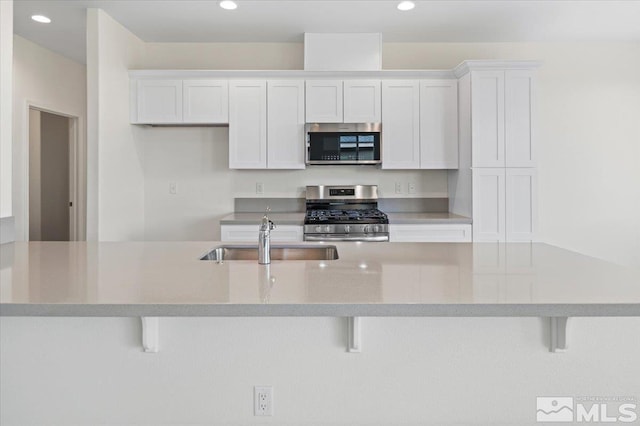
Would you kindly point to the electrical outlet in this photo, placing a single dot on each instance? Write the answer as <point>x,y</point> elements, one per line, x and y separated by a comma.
<point>173,188</point>
<point>263,400</point>
<point>412,188</point>
<point>259,188</point>
<point>398,187</point>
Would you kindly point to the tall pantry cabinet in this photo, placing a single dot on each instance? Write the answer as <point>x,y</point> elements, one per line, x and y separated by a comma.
<point>497,150</point>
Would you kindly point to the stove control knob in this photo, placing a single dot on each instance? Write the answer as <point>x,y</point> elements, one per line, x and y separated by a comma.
<point>376,228</point>
<point>368,229</point>
<point>318,228</point>
<point>327,229</point>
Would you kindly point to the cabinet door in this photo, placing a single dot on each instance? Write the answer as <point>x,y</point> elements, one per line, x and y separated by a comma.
<point>247,124</point>
<point>249,233</point>
<point>285,124</point>
<point>488,205</point>
<point>362,101</point>
<point>521,207</point>
<point>324,101</point>
<point>205,101</point>
<point>519,138</point>
<point>400,124</point>
<point>487,124</point>
<point>439,124</point>
<point>430,233</point>
<point>159,101</point>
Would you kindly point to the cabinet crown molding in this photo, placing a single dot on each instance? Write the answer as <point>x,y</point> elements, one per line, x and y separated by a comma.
<point>480,64</point>
<point>300,74</point>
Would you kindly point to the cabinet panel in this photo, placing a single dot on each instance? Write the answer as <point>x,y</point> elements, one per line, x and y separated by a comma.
<point>430,233</point>
<point>324,101</point>
<point>249,233</point>
<point>205,101</point>
<point>488,205</point>
<point>400,124</point>
<point>487,124</point>
<point>362,101</point>
<point>159,101</point>
<point>439,124</point>
<point>247,124</point>
<point>521,209</point>
<point>285,124</point>
<point>519,141</point>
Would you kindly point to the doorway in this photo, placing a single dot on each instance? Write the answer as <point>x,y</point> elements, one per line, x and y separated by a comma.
<point>52,215</point>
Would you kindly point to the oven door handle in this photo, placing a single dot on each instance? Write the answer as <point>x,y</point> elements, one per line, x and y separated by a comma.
<point>333,237</point>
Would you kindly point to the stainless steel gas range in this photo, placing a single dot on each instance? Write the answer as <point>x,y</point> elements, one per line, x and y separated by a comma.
<point>344,213</point>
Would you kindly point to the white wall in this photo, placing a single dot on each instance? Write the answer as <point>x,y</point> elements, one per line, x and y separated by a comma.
<point>6,90</point>
<point>49,82</point>
<point>412,371</point>
<point>115,175</point>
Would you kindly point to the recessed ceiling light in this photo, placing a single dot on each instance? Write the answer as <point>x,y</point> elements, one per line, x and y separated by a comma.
<point>406,5</point>
<point>228,4</point>
<point>41,18</point>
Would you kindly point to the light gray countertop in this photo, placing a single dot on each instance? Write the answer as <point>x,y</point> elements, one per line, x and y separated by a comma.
<point>427,218</point>
<point>394,218</point>
<point>368,279</point>
<point>296,218</point>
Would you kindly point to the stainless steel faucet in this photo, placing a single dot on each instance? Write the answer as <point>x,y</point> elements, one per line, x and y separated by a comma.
<point>264,240</point>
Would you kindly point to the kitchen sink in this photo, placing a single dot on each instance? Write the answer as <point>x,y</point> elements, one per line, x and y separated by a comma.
<point>278,252</point>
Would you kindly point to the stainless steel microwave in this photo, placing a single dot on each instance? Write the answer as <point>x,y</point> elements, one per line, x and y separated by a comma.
<point>342,143</point>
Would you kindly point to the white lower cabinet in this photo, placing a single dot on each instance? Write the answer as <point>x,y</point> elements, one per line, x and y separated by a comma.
<point>489,204</point>
<point>430,233</point>
<point>249,233</point>
<point>521,209</point>
<point>504,204</point>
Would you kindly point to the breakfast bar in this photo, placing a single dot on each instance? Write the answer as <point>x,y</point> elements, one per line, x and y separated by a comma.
<point>162,279</point>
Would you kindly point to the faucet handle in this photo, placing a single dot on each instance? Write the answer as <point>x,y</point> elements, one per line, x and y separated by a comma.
<point>266,224</point>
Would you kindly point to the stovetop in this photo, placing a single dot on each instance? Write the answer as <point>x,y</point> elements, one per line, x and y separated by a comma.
<point>340,216</point>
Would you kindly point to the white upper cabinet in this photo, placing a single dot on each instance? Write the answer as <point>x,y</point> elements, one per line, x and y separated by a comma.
<point>502,105</point>
<point>285,124</point>
<point>324,101</point>
<point>361,101</point>
<point>438,124</point>
<point>159,101</point>
<point>400,124</point>
<point>519,146</point>
<point>338,101</point>
<point>205,101</point>
<point>247,124</point>
<point>180,102</point>
<point>487,124</point>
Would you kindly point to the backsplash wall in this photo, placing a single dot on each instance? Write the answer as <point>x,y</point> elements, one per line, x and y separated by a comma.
<point>196,160</point>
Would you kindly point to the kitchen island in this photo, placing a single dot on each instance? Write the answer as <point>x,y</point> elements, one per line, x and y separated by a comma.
<point>463,322</point>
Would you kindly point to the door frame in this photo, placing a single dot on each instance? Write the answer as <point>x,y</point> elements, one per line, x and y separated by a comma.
<point>77,171</point>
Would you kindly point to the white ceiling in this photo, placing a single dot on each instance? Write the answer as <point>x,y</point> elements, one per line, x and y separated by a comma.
<point>287,20</point>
